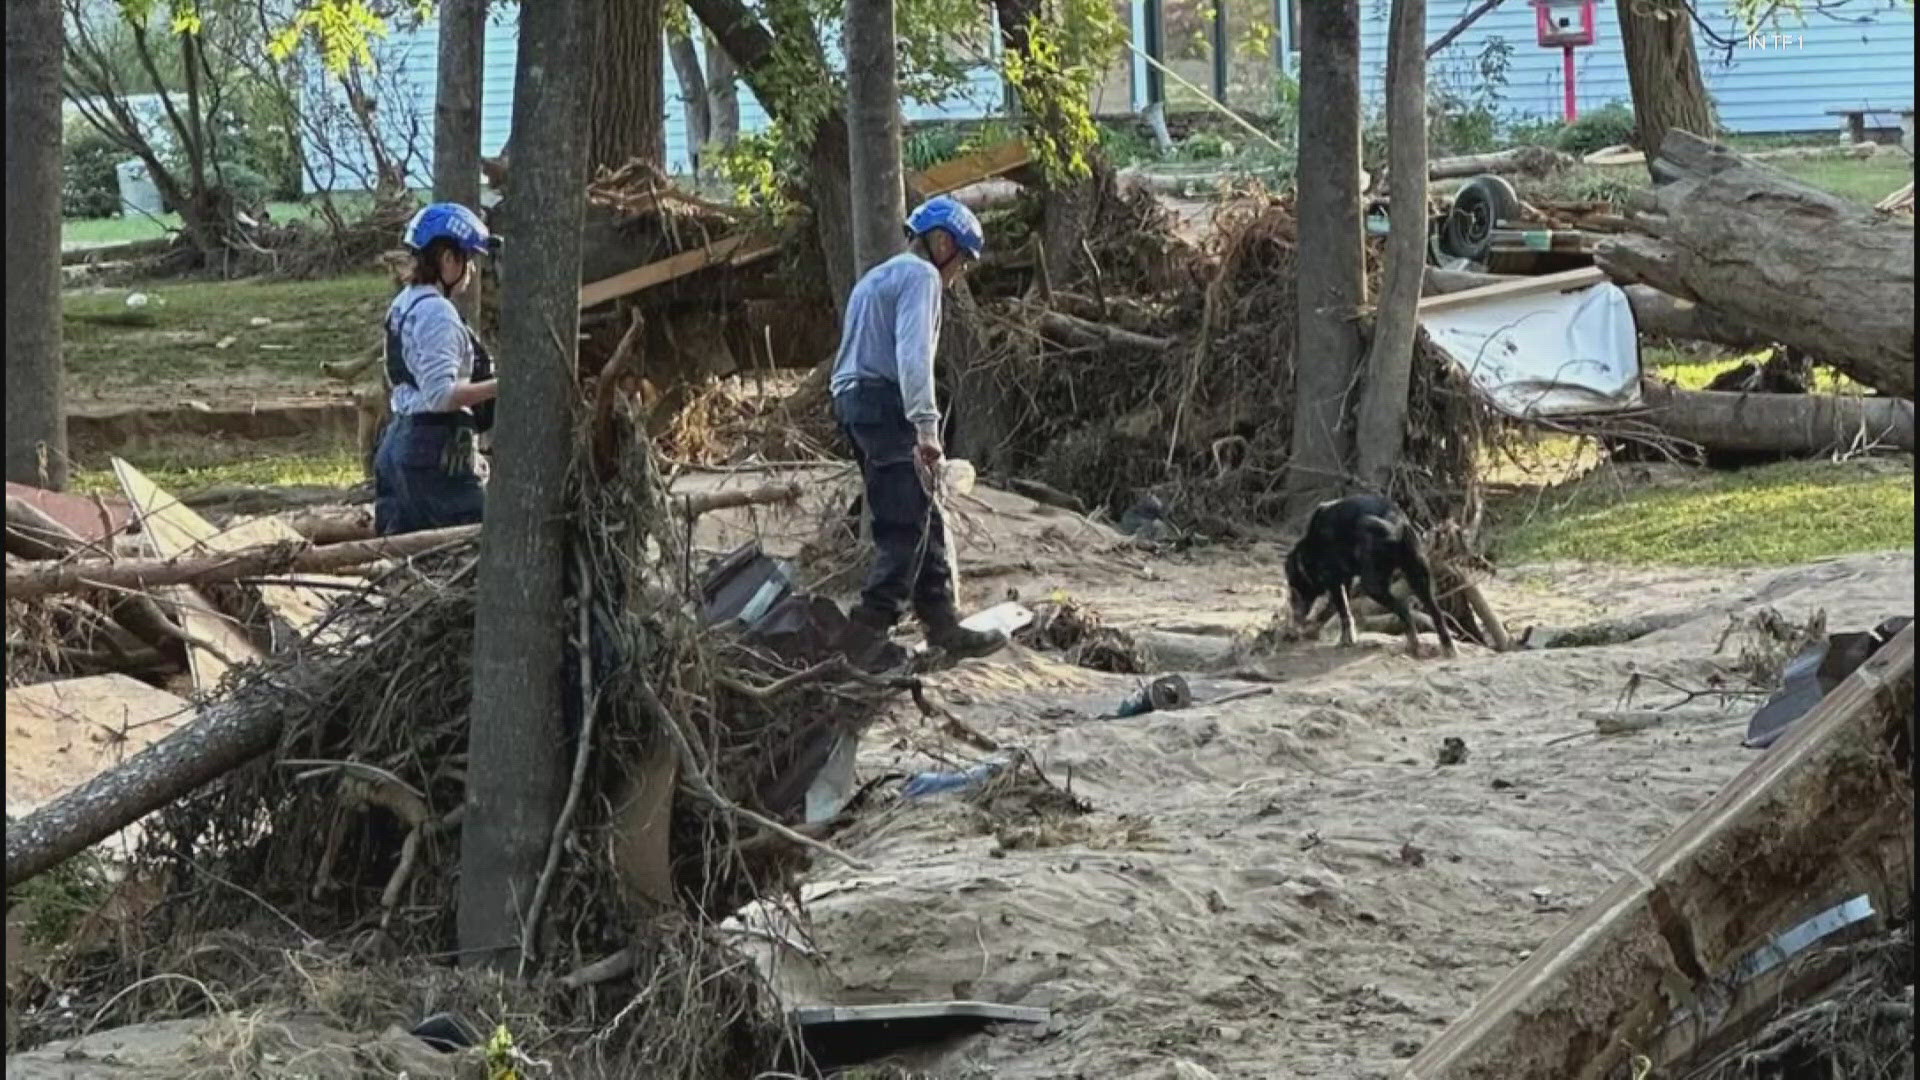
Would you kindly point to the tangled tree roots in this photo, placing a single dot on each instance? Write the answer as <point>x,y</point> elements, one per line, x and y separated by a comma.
<point>348,833</point>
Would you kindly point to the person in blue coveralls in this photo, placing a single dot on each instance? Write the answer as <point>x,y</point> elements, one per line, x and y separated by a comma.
<point>883,397</point>
<point>427,471</point>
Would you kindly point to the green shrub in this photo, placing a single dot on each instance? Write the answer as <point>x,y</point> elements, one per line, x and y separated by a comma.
<point>1599,129</point>
<point>89,188</point>
<point>250,190</point>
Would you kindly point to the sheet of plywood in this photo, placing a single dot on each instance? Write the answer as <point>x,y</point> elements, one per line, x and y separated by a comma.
<point>60,734</point>
<point>173,530</point>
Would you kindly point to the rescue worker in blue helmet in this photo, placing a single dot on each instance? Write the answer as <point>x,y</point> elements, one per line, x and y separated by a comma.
<point>882,386</point>
<point>426,472</point>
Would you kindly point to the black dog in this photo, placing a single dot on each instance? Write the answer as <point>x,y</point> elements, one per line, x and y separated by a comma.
<point>1365,537</point>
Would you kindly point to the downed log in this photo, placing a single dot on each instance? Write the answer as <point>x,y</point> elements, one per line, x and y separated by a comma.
<point>1522,160</point>
<point>1804,425</point>
<point>1777,843</point>
<point>1085,332</point>
<point>32,580</point>
<point>1807,269</point>
<point>29,580</point>
<point>220,740</point>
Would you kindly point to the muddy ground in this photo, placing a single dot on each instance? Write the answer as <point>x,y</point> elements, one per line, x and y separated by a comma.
<point>1287,885</point>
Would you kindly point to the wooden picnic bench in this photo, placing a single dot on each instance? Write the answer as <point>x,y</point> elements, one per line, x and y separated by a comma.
<point>1856,118</point>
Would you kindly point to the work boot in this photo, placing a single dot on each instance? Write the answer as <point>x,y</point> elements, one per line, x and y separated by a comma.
<point>865,643</point>
<point>945,633</point>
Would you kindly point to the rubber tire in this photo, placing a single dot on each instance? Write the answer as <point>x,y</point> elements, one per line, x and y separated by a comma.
<point>1477,209</point>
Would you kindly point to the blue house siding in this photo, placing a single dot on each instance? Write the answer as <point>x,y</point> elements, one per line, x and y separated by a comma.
<point>1825,63</point>
<point>1779,88</point>
<point>408,59</point>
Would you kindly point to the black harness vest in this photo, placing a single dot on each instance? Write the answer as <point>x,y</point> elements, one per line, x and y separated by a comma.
<point>399,375</point>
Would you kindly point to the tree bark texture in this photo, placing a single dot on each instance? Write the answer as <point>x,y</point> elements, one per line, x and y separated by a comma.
<point>1810,270</point>
<point>749,43</point>
<point>456,113</point>
<point>1383,402</point>
<point>723,96</point>
<point>1801,425</point>
<point>873,121</point>
<point>1333,283</point>
<point>517,773</point>
<point>222,739</point>
<point>1663,71</point>
<point>628,115</point>
<point>36,391</point>
<point>693,93</point>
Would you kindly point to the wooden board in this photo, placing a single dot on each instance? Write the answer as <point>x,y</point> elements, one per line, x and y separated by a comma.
<point>1565,281</point>
<point>172,530</point>
<point>971,169</point>
<point>60,734</point>
<point>1810,815</point>
<point>732,251</point>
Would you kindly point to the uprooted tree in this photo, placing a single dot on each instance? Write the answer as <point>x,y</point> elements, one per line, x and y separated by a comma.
<point>1810,270</point>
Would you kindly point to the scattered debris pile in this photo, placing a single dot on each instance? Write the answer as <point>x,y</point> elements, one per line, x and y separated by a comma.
<point>1071,627</point>
<point>689,743</point>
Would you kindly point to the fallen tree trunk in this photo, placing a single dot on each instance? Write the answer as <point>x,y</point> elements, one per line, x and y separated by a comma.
<point>1823,815</point>
<point>1084,332</point>
<point>1798,424</point>
<point>220,740</point>
<point>1654,312</point>
<point>1807,269</point>
<point>1523,160</point>
<point>29,580</point>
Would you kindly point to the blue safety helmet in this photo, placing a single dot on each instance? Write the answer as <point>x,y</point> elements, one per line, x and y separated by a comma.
<point>946,212</point>
<point>453,222</point>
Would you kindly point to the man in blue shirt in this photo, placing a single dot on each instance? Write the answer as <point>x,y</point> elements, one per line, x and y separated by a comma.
<point>882,388</point>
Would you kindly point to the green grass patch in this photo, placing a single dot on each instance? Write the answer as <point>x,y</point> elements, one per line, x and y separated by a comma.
<point>1864,180</point>
<point>1694,371</point>
<point>196,468</point>
<point>132,226</point>
<point>179,334</point>
<point>1771,515</point>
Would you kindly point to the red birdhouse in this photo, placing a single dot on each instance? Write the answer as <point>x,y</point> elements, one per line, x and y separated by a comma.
<point>1564,24</point>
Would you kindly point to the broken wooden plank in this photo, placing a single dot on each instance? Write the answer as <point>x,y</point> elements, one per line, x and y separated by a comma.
<point>972,168</point>
<point>731,250</point>
<point>1566,281</point>
<point>153,509</point>
<point>1738,870</point>
<point>178,531</point>
<point>61,734</point>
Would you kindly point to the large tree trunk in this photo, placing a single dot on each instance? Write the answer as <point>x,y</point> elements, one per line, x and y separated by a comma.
<point>222,739</point>
<point>1333,283</point>
<point>628,114</point>
<point>693,93</point>
<point>1383,404</point>
<point>516,775</point>
<point>873,121</point>
<point>1798,425</point>
<point>36,397</point>
<point>723,96</point>
<point>456,113</point>
<point>1808,269</point>
<point>1663,71</point>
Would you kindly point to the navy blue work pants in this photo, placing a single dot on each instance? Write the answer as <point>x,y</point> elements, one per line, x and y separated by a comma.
<point>910,565</point>
<point>421,478</point>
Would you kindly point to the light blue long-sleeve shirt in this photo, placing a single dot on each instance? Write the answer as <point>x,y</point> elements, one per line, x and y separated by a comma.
<point>893,324</point>
<point>438,351</point>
